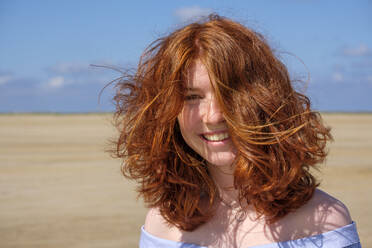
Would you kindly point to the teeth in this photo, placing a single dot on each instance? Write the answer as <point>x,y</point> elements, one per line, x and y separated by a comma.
<point>216,137</point>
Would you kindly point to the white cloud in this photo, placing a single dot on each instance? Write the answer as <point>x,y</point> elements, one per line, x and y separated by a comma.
<point>369,79</point>
<point>189,13</point>
<point>69,68</point>
<point>56,82</point>
<point>337,77</point>
<point>5,79</point>
<point>360,50</point>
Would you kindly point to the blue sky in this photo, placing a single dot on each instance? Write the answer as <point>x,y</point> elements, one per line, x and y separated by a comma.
<point>46,47</point>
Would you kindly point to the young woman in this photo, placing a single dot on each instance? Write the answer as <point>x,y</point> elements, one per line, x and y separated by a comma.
<point>222,145</point>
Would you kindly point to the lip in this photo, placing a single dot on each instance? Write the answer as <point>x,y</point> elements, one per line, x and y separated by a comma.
<point>202,136</point>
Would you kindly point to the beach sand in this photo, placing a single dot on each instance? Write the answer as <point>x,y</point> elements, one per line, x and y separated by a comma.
<point>58,188</point>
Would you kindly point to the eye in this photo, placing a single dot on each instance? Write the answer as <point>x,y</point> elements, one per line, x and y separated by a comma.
<point>193,97</point>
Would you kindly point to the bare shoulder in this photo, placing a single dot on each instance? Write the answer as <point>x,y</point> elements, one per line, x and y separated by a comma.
<point>327,210</point>
<point>321,214</point>
<point>156,225</point>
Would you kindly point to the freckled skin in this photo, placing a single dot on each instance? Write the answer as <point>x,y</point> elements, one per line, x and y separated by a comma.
<point>202,115</point>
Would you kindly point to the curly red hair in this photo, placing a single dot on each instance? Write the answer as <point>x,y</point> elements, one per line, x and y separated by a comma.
<point>277,136</point>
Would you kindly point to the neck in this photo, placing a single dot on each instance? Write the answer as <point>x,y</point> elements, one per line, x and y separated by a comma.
<point>223,176</point>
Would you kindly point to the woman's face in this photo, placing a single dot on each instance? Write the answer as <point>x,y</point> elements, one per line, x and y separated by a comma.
<point>201,121</point>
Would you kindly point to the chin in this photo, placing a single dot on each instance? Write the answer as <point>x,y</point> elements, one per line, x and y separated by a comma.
<point>221,160</point>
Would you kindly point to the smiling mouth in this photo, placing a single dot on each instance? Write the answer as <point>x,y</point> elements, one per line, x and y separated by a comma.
<point>216,137</point>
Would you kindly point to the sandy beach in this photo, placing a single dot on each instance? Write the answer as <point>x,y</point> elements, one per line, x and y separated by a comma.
<point>58,188</point>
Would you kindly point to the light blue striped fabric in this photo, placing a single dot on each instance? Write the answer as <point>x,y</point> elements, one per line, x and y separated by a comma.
<point>343,237</point>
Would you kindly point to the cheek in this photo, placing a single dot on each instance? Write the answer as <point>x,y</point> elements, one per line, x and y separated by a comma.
<point>189,127</point>
<point>189,119</point>
<point>185,127</point>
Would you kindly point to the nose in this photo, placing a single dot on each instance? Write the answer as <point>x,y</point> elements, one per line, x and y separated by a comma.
<point>213,113</point>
